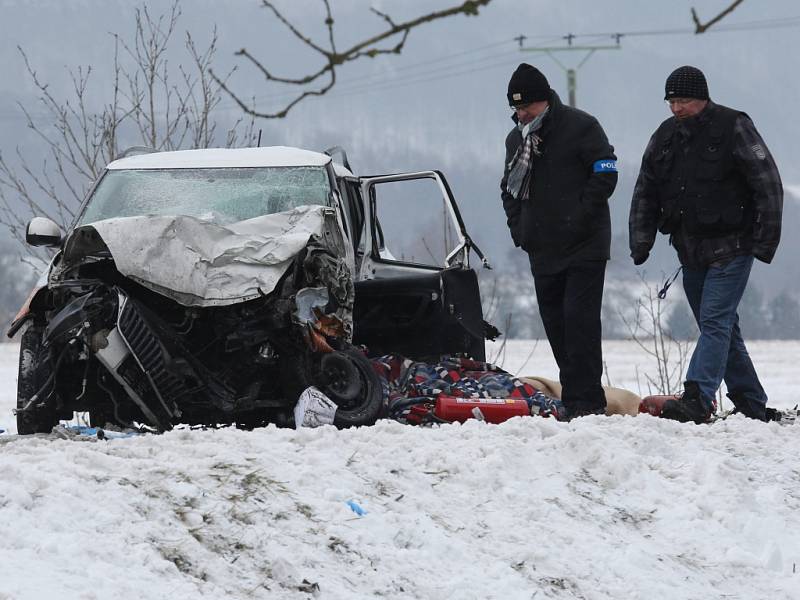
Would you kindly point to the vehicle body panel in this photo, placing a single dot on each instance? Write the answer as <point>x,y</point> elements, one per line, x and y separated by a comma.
<point>226,310</point>
<point>200,263</point>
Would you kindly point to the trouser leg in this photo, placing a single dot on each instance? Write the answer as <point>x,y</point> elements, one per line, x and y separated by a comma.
<point>714,296</point>
<point>583,334</point>
<point>744,388</point>
<point>569,304</point>
<point>550,298</point>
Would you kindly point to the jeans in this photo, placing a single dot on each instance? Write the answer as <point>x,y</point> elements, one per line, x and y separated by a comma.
<point>569,304</point>
<point>714,294</point>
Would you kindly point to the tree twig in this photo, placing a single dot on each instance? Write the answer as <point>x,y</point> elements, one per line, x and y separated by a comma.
<point>149,102</point>
<point>332,58</point>
<point>703,27</point>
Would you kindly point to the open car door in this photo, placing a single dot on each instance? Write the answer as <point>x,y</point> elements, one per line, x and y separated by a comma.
<point>415,293</point>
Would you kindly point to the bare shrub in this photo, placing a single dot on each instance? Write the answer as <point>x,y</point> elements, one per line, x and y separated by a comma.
<point>647,326</point>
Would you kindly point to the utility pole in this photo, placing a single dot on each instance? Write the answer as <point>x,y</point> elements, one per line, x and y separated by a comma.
<point>572,72</point>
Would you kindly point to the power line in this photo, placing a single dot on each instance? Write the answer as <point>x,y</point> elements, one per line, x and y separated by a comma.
<point>617,37</point>
<point>379,78</point>
<point>406,82</point>
<point>347,87</point>
<point>424,73</point>
<point>762,24</point>
<point>356,83</point>
<point>782,24</point>
<point>447,57</point>
<point>572,72</point>
<point>380,82</point>
<point>389,76</point>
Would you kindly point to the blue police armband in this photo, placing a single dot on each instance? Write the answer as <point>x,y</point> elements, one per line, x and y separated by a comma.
<point>605,166</point>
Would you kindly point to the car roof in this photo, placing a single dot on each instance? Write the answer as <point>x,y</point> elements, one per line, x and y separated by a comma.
<point>269,156</point>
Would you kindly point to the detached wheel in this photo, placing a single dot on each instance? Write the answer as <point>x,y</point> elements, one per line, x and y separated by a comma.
<point>34,373</point>
<point>348,379</point>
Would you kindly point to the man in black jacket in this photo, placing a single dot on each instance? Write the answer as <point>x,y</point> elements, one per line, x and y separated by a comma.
<point>559,173</point>
<point>708,180</point>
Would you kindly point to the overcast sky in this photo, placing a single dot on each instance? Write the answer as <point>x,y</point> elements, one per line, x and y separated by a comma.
<point>446,92</point>
<point>441,104</point>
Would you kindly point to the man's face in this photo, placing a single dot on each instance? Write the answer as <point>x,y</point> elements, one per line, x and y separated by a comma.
<point>683,108</point>
<point>528,112</point>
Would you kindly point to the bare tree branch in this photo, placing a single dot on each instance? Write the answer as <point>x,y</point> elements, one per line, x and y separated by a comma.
<point>703,27</point>
<point>149,102</point>
<point>334,58</point>
<point>154,103</point>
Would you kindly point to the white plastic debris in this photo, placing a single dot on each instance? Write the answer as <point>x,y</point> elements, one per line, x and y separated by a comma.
<point>307,300</point>
<point>313,409</point>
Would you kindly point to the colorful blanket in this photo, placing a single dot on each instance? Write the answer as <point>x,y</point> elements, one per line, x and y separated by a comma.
<point>410,389</point>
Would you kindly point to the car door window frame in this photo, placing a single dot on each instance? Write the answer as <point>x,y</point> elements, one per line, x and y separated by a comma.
<point>373,235</point>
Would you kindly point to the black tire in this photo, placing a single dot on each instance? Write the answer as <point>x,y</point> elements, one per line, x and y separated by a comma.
<point>34,373</point>
<point>348,379</point>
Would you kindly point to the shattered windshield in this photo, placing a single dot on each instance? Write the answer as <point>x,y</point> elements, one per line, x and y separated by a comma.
<point>221,195</point>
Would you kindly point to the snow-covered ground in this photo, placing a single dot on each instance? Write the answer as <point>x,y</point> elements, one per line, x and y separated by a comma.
<point>617,507</point>
<point>627,366</point>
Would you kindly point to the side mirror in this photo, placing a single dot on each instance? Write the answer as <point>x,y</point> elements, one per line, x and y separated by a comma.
<point>42,232</point>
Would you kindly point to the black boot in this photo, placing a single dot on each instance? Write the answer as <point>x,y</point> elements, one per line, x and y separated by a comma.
<point>753,410</point>
<point>689,407</point>
<point>583,409</point>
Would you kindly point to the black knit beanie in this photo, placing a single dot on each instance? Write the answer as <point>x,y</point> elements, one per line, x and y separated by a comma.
<point>527,85</point>
<point>686,82</point>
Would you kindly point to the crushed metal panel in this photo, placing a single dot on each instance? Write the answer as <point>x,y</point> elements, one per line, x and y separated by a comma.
<point>199,263</point>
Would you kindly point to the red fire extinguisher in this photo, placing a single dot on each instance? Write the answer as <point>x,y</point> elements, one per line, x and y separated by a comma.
<point>654,404</point>
<point>493,410</point>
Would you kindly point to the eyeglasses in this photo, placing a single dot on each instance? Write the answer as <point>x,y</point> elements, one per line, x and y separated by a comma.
<point>679,101</point>
<point>520,107</point>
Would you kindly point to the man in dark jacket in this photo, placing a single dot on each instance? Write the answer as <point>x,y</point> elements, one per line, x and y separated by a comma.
<point>559,173</point>
<point>708,180</point>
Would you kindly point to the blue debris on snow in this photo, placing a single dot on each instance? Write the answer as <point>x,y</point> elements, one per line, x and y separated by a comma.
<point>356,508</point>
<point>99,433</point>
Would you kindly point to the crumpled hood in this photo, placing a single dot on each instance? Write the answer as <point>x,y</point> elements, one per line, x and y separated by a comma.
<point>199,263</point>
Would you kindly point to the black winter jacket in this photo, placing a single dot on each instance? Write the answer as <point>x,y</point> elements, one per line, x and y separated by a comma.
<point>747,164</point>
<point>566,217</point>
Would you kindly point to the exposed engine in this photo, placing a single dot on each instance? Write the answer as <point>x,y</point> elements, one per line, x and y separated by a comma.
<point>125,353</point>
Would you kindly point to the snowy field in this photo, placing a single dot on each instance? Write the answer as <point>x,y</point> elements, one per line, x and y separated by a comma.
<point>777,364</point>
<point>599,508</point>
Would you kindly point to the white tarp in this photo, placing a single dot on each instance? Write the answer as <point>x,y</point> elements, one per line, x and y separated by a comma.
<point>200,263</point>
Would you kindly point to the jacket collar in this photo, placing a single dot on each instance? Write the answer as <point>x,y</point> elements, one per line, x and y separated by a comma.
<point>556,109</point>
<point>688,127</point>
<point>704,116</point>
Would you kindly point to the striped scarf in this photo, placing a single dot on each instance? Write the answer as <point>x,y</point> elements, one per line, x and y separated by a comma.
<point>520,167</point>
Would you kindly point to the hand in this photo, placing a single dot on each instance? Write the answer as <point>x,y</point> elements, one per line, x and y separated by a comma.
<point>762,255</point>
<point>640,254</point>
